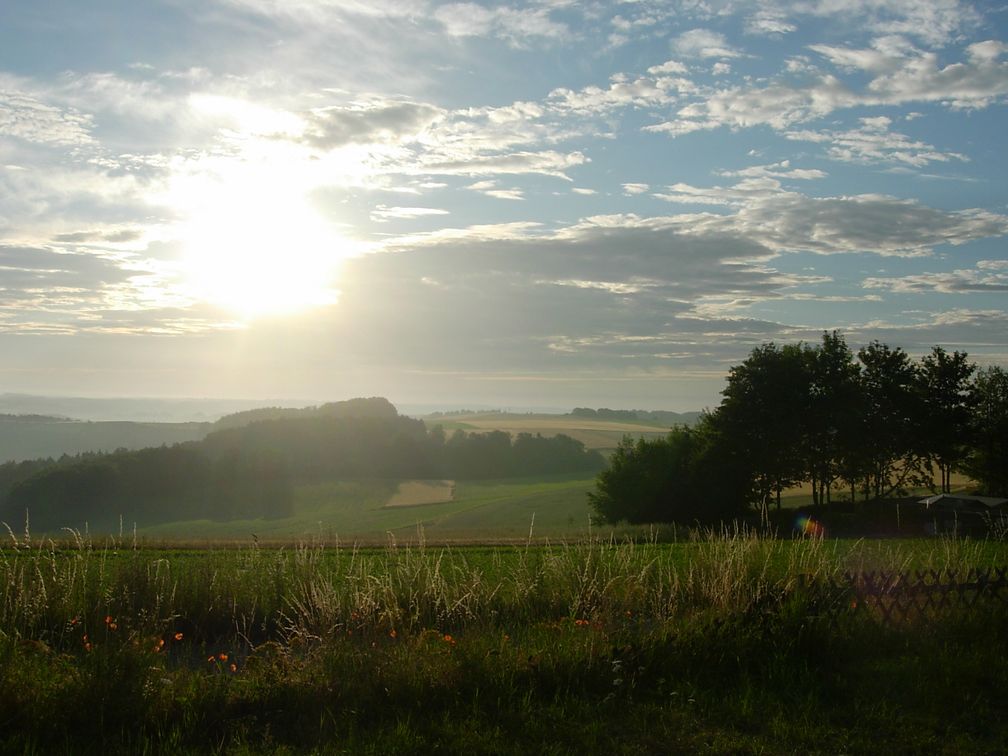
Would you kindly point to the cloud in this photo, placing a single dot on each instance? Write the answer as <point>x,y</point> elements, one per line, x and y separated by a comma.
<point>988,276</point>
<point>622,92</point>
<point>782,169</point>
<point>873,142</point>
<point>65,292</point>
<point>25,117</point>
<point>374,120</point>
<point>632,189</point>
<point>900,74</point>
<point>112,235</point>
<point>703,43</point>
<point>936,22</point>
<point>785,221</point>
<point>547,162</point>
<point>383,213</point>
<point>490,189</point>
<point>516,25</point>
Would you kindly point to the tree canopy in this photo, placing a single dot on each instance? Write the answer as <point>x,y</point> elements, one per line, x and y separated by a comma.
<point>791,414</point>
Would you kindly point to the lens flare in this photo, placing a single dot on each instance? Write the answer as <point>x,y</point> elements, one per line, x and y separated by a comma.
<point>809,527</point>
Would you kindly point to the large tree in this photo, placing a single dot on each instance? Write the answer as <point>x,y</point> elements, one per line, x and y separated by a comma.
<point>894,452</point>
<point>833,421</point>
<point>762,419</point>
<point>679,478</point>
<point>987,462</point>
<point>947,409</point>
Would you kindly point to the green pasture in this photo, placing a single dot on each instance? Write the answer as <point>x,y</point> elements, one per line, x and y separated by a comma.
<point>551,506</point>
<point>723,643</point>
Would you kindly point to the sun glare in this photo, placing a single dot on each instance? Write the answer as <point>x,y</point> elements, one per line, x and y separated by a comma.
<point>262,254</point>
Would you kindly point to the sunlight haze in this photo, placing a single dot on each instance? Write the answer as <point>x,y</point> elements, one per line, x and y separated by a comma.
<point>531,204</point>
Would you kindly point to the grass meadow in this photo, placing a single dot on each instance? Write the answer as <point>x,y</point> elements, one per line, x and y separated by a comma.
<point>369,510</point>
<point>719,643</point>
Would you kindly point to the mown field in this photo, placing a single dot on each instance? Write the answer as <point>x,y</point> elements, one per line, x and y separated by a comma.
<point>367,511</point>
<point>720,644</point>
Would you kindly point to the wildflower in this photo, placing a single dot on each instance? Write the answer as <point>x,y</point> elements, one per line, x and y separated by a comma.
<point>392,634</point>
<point>113,626</point>
<point>87,642</point>
<point>178,636</point>
<point>108,619</point>
<point>222,656</point>
<point>211,659</point>
<point>233,667</point>
<point>449,640</point>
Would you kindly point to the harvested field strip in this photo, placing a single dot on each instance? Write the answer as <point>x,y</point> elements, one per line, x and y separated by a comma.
<point>415,493</point>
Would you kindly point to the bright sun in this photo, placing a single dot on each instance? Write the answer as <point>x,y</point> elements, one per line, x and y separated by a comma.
<point>261,254</point>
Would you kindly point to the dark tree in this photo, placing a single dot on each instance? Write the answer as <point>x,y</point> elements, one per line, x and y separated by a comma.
<point>762,419</point>
<point>947,409</point>
<point>987,462</point>
<point>832,424</point>
<point>687,477</point>
<point>893,448</point>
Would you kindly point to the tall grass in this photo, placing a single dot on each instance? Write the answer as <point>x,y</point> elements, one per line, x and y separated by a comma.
<point>313,593</point>
<point>397,649</point>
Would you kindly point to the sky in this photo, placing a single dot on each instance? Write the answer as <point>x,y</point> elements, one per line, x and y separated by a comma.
<point>529,204</point>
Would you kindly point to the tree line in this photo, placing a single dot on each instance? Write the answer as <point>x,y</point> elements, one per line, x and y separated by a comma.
<point>250,471</point>
<point>875,425</point>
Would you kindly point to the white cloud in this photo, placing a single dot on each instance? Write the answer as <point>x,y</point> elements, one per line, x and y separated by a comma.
<point>784,221</point>
<point>782,169</point>
<point>873,142</point>
<point>988,276</point>
<point>901,75</point>
<point>383,213</point>
<point>25,117</point>
<point>490,189</point>
<point>516,25</point>
<point>506,194</point>
<point>703,43</point>
<point>935,22</point>
<point>632,189</point>
<point>372,120</point>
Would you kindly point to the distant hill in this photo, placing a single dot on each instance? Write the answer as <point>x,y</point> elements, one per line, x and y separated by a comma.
<point>361,407</point>
<point>254,468</point>
<point>32,436</point>
<point>132,409</point>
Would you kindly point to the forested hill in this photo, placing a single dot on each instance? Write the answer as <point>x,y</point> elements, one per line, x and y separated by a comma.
<point>251,470</point>
<point>32,436</point>
<point>370,407</point>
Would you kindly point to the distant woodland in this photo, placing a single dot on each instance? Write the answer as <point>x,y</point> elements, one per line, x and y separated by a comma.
<point>248,467</point>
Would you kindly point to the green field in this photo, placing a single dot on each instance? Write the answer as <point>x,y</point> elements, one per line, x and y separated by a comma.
<point>720,644</point>
<point>357,511</point>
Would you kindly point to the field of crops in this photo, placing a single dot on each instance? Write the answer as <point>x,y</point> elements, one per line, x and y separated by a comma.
<point>719,643</point>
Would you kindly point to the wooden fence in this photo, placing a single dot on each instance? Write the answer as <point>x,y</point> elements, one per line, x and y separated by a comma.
<point>898,597</point>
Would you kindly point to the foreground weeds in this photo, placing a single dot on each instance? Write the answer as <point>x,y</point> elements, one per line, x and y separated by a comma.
<point>716,645</point>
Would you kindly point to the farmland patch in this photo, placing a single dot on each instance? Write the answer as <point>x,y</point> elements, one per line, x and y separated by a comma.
<point>414,493</point>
